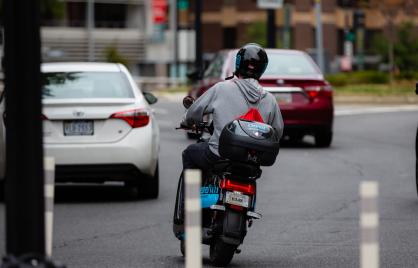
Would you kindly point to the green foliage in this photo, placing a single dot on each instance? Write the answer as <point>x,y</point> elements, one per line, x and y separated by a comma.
<point>355,78</point>
<point>112,54</point>
<point>256,32</point>
<point>402,88</point>
<point>50,9</point>
<point>405,49</point>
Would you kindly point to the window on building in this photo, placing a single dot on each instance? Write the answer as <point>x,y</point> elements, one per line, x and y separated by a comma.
<point>76,13</point>
<point>110,15</point>
<point>346,3</point>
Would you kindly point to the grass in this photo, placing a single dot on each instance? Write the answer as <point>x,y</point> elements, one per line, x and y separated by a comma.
<point>398,88</point>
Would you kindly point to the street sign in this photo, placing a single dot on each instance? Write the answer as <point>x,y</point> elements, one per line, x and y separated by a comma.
<point>269,4</point>
<point>159,11</point>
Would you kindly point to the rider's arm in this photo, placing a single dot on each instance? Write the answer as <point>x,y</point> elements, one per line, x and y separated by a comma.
<point>202,106</point>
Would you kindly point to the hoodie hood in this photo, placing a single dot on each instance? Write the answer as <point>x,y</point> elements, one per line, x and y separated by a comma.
<point>251,89</point>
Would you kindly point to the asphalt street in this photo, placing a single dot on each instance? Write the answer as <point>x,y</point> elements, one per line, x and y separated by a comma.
<point>309,200</point>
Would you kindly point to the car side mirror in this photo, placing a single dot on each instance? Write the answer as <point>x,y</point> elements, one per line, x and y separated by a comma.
<point>149,97</point>
<point>416,88</point>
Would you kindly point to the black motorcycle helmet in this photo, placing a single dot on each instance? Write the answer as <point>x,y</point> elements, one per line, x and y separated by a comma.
<point>251,61</point>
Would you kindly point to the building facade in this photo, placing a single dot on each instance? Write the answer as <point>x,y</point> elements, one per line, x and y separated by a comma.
<point>128,26</point>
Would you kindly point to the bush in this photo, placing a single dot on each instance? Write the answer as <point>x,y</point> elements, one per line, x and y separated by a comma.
<point>112,54</point>
<point>355,78</point>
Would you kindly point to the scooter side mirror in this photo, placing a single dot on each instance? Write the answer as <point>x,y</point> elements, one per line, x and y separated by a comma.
<point>188,101</point>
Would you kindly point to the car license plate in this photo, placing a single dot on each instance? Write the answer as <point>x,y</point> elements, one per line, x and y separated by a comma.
<point>78,128</point>
<point>238,199</point>
<point>283,98</point>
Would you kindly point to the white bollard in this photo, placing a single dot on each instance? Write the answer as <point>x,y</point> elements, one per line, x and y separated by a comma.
<point>193,219</point>
<point>369,223</point>
<point>49,184</point>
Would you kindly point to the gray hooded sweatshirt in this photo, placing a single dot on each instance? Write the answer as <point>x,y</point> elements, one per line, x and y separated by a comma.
<point>230,99</point>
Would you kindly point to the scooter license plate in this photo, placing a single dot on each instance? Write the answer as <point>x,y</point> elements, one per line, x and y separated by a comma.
<point>237,199</point>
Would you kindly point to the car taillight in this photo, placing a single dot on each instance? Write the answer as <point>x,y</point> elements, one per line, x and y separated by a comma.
<point>246,188</point>
<point>318,91</point>
<point>135,118</point>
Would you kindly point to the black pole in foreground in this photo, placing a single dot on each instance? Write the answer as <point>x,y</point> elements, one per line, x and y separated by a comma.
<point>271,28</point>
<point>198,33</point>
<point>24,185</point>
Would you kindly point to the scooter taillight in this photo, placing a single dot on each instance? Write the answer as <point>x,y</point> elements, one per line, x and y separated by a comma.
<point>246,188</point>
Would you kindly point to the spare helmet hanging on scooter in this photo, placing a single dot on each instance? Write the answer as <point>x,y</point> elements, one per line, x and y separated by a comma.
<point>251,61</point>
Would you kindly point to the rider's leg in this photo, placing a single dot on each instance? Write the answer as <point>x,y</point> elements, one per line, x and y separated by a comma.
<point>195,156</point>
<point>198,156</point>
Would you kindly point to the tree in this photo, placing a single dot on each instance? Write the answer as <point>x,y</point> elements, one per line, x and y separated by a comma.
<point>405,49</point>
<point>256,32</point>
<point>50,9</point>
<point>390,10</point>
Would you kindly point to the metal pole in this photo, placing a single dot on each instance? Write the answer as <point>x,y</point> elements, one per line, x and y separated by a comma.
<point>193,219</point>
<point>198,30</point>
<point>286,26</point>
<point>319,36</point>
<point>271,28</point>
<point>90,29</point>
<point>369,224</point>
<point>24,193</point>
<point>49,187</point>
<point>174,23</point>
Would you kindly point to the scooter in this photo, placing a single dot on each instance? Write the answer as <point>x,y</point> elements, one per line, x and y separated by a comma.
<point>229,189</point>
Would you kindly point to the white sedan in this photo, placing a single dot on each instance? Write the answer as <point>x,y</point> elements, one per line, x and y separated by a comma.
<point>98,126</point>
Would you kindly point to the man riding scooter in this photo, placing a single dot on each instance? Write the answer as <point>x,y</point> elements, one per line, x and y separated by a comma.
<point>229,100</point>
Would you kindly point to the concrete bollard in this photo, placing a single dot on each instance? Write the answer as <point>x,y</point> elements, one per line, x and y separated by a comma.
<point>193,219</point>
<point>49,184</point>
<point>369,223</point>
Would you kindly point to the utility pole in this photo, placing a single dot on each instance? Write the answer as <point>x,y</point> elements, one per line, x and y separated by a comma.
<point>319,36</point>
<point>174,32</point>
<point>24,184</point>
<point>359,23</point>
<point>286,26</point>
<point>271,28</point>
<point>198,30</point>
<point>90,29</point>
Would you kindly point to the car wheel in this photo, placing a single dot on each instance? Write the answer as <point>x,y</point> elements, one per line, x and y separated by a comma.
<point>183,248</point>
<point>296,138</point>
<point>149,187</point>
<point>323,138</point>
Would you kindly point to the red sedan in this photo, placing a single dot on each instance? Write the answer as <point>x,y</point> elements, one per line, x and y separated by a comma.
<point>304,96</point>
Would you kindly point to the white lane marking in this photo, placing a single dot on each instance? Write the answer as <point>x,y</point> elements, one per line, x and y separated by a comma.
<point>374,110</point>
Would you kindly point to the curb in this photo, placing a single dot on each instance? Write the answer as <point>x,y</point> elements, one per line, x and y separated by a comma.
<point>367,99</point>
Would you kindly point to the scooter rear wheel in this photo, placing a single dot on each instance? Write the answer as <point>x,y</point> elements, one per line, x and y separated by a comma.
<point>221,253</point>
<point>183,248</point>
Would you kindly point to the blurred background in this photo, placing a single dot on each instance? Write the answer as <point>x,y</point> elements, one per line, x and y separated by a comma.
<point>364,41</point>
